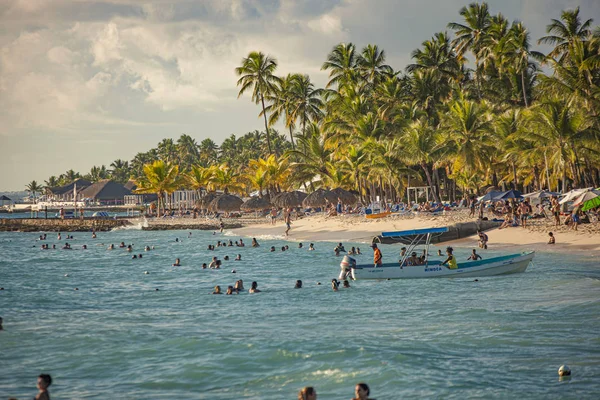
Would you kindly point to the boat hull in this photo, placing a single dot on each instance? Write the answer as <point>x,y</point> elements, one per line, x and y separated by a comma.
<point>503,265</point>
<point>378,215</point>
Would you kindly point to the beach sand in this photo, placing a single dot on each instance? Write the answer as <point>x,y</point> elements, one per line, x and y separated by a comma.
<point>354,228</point>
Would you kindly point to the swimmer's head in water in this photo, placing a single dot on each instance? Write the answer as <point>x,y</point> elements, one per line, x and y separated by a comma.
<point>298,284</point>
<point>44,380</point>
<point>564,370</point>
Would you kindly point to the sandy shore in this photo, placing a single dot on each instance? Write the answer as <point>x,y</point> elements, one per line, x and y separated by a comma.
<point>359,229</point>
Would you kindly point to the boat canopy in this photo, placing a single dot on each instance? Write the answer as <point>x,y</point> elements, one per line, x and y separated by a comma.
<point>414,232</point>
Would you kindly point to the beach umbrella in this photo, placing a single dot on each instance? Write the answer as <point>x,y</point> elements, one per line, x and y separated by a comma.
<point>588,200</point>
<point>289,199</point>
<point>255,203</point>
<point>540,194</point>
<point>226,202</point>
<point>345,196</point>
<point>489,196</point>
<point>510,194</point>
<point>572,195</point>
<point>319,198</point>
<point>207,199</point>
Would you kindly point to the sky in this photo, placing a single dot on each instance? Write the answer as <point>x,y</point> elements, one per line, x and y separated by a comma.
<point>85,82</point>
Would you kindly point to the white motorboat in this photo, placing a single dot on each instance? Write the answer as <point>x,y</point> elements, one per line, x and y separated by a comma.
<point>501,265</point>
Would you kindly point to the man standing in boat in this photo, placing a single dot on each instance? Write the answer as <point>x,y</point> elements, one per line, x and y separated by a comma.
<point>377,256</point>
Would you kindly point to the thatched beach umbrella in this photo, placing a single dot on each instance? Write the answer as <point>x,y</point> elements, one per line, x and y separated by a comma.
<point>207,199</point>
<point>256,203</point>
<point>319,198</point>
<point>226,202</point>
<point>345,196</point>
<point>289,199</point>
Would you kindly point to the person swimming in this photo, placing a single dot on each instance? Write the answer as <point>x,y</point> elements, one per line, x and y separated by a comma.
<point>230,244</point>
<point>217,290</point>
<point>346,283</point>
<point>238,257</point>
<point>122,245</point>
<point>146,248</point>
<point>213,263</point>
<point>84,247</point>
<point>474,256</point>
<point>129,248</point>
<point>352,251</point>
<point>111,247</point>
<point>230,290</point>
<point>255,243</point>
<point>43,382</point>
<point>272,249</point>
<point>335,284</point>
<point>177,263</point>
<point>311,247</point>
<point>239,285</point>
<point>226,258</point>
<point>242,243</point>
<point>204,266</point>
<point>133,257</point>
<point>282,248</point>
<point>299,245</point>
<point>339,249</point>
<point>254,288</point>
<point>298,284</point>
<point>358,250</point>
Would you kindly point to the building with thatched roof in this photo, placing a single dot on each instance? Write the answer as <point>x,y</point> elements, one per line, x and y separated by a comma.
<point>5,201</point>
<point>106,192</point>
<point>65,192</point>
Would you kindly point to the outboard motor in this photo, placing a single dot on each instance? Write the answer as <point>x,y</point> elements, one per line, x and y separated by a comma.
<point>345,267</point>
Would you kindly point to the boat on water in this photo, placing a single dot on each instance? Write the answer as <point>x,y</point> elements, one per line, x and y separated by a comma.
<point>501,265</point>
<point>378,215</point>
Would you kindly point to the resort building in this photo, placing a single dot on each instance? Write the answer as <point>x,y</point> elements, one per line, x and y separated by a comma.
<point>65,193</point>
<point>105,192</point>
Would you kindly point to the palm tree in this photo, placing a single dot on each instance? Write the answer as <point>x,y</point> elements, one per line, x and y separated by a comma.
<point>306,102</point>
<point>98,173</point>
<point>421,148</point>
<point>313,155</point>
<point>559,130</point>
<point>371,65</point>
<point>471,34</point>
<point>189,153</point>
<point>33,188</point>
<point>518,39</point>
<point>159,178</point>
<point>200,178</point>
<point>342,64</point>
<point>564,32</point>
<point>209,151</point>
<point>282,100</point>
<point>227,179</point>
<point>120,171</point>
<point>167,151</point>
<point>467,129</point>
<point>52,182</point>
<point>257,74</point>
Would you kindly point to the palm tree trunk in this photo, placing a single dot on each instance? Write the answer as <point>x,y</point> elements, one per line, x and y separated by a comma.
<point>262,100</point>
<point>292,138</point>
<point>428,175</point>
<point>523,87</point>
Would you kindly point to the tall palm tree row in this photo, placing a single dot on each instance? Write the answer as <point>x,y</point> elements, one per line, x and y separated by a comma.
<point>443,121</point>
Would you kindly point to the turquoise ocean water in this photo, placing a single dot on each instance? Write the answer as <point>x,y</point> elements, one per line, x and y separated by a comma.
<point>117,337</point>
